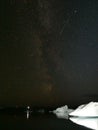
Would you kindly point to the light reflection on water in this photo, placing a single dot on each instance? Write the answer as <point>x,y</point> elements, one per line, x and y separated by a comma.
<point>87,122</point>
<point>36,122</point>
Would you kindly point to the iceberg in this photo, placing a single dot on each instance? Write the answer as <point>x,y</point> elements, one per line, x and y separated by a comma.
<point>63,112</point>
<point>86,110</point>
<point>91,123</point>
<point>85,115</point>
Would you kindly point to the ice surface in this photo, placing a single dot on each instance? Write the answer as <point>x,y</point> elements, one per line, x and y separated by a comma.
<point>87,110</point>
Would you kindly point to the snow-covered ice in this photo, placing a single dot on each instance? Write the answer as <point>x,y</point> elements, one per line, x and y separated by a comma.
<point>86,110</point>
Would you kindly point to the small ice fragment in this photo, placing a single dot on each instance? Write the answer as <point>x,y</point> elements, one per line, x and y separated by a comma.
<point>62,112</point>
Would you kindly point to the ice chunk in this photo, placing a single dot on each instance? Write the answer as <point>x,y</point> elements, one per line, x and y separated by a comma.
<point>87,122</point>
<point>87,110</point>
<point>62,112</point>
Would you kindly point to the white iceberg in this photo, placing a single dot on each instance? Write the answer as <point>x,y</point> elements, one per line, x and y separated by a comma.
<point>91,123</point>
<point>85,115</point>
<point>62,112</point>
<point>87,110</point>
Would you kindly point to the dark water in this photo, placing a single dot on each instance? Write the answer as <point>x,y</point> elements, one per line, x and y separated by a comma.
<point>37,122</point>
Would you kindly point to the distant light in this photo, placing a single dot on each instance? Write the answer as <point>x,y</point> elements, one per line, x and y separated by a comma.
<point>28,112</point>
<point>28,107</point>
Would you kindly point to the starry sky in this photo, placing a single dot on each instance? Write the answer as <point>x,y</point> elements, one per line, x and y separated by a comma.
<point>48,52</point>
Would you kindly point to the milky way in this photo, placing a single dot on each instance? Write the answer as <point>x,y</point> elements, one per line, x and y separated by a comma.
<point>48,52</point>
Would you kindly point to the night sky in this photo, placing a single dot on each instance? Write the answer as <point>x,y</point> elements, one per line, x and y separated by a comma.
<point>48,52</point>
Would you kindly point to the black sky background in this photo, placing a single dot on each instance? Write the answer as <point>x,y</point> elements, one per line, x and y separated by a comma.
<point>48,52</point>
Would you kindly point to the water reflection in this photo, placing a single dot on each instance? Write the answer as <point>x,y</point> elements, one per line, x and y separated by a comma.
<point>28,112</point>
<point>36,122</point>
<point>91,123</point>
<point>62,116</point>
